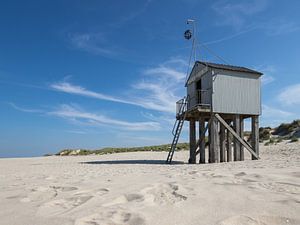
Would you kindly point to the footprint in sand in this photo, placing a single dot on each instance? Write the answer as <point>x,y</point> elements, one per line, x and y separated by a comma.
<point>63,205</point>
<point>158,194</point>
<point>111,217</point>
<point>164,194</point>
<point>38,194</point>
<point>258,220</point>
<point>281,187</point>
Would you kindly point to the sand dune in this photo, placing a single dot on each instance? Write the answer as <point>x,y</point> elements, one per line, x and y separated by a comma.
<point>137,189</point>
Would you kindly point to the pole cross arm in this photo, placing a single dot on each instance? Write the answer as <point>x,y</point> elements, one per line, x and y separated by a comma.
<point>242,141</point>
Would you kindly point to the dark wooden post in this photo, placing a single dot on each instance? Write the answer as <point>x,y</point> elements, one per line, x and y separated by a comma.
<point>242,136</point>
<point>222,143</point>
<point>236,126</point>
<point>213,147</point>
<point>209,143</point>
<point>228,143</point>
<point>192,142</point>
<point>229,146</point>
<point>255,135</point>
<point>202,138</point>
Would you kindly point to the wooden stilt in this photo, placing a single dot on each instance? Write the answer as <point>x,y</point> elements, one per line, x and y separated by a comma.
<point>242,136</point>
<point>255,136</point>
<point>214,136</point>
<point>236,125</point>
<point>192,142</point>
<point>229,146</point>
<point>202,139</point>
<point>222,143</point>
<point>243,142</point>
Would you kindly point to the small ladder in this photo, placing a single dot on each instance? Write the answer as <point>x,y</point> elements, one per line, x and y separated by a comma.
<point>178,125</point>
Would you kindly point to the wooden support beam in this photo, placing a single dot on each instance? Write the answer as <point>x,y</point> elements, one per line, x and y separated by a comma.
<point>213,145</point>
<point>245,144</point>
<point>242,157</point>
<point>192,142</point>
<point>199,141</point>
<point>222,143</point>
<point>229,145</point>
<point>255,136</point>
<point>202,131</point>
<point>236,144</point>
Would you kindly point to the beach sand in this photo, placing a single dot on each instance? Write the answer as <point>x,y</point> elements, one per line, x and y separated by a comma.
<point>138,188</point>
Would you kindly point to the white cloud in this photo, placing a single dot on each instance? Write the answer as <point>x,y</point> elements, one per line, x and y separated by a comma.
<point>94,43</point>
<point>76,113</point>
<point>279,27</point>
<point>28,110</point>
<point>290,95</point>
<point>272,116</point>
<point>268,72</point>
<point>235,13</point>
<point>271,112</point>
<point>266,79</point>
<point>78,90</point>
<point>157,91</point>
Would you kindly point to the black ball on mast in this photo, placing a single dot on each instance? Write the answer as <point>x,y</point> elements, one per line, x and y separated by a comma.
<point>188,34</point>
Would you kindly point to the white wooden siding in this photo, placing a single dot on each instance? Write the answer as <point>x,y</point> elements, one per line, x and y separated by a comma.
<point>237,93</point>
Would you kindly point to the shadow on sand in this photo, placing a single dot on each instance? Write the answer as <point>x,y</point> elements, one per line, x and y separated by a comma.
<point>158,162</point>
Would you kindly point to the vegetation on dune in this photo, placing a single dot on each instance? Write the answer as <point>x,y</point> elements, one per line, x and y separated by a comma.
<point>285,131</point>
<point>155,148</point>
<point>267,135</point>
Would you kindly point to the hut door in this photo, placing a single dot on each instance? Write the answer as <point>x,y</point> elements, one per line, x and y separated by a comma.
<point>199,88</point>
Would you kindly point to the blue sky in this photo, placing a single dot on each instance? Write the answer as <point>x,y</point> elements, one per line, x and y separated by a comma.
<point>90,74</point>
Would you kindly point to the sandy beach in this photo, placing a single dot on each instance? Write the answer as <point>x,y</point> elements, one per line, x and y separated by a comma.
<point>138,188</point>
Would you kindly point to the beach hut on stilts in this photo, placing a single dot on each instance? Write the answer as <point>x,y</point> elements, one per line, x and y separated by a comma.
<point>219,97</point>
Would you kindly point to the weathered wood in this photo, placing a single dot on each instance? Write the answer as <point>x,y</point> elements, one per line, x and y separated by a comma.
<point>222,143</point>
<point>255,136</point>
<point>213,145</point>
<point>198,143</point>
<point>242,136</point>
<point>202,140</point>
<point>236,144</point>
<point>192,142</point>
<point>245,144</point>
<point>229,146</point>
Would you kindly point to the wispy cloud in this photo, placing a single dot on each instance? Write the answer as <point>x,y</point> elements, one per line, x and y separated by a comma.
<point>158,90</point>
<point>101,42</point>
<point>269,111</point>
<point>132,15</point>
<point>28,110</point>
<point>76,113</point>
<point>78,90</point>
<point>229,37</point>
<point>235,13</point>
<point>268,71</point>
<point>290,95</point>
<point>79,116</point>
<point>280,27</point>
<point>95,43</point>
<point>273,116</point>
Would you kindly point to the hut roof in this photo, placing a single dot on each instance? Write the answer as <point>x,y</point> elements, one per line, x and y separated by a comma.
<point>224,67</point>
<point>229,67</point>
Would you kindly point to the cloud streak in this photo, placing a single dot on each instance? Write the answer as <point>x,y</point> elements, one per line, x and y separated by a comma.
<point>75,113</point>
<point>157,91</point>
<point>27,110</point>
<point>235,14</point>
<point>290,95</point>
